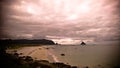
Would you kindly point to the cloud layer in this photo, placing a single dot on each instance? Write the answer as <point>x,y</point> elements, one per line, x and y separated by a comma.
<point>65,20</point>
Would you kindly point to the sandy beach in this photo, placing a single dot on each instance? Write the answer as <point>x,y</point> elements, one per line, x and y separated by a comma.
<point>36,52</point>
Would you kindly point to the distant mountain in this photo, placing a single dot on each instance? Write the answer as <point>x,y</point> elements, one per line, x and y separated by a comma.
<point>26,41</point>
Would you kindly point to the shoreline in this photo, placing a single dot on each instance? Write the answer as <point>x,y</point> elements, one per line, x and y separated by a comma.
<point>26,61</point>
<point>47,53</point>
<point>37,53</point>
<point>54,57</point>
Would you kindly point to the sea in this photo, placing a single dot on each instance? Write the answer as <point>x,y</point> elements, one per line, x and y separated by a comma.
<point>95,56</point>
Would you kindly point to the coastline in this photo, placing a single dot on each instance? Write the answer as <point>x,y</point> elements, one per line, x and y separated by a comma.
<point>32,57</point>
<point>92,56</point>
<point>37,53</point>
<point>53,57</point>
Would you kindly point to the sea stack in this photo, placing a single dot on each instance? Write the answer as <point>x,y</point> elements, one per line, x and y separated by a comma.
<point>83,43</point>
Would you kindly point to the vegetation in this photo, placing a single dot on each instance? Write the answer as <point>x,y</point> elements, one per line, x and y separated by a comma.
<point>26,41</point>
<point>16,61</point>
<point>17,43</point>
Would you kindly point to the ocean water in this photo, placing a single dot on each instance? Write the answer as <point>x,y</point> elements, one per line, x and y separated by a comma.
<point>89,55</point>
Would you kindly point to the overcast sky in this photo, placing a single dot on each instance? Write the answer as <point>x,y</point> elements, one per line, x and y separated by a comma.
<point>64,21</point>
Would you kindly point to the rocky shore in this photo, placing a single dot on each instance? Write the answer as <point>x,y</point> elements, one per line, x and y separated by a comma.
<point>16,61</point>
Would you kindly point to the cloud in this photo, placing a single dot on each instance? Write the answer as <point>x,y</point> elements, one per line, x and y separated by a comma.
<point>94,20</point>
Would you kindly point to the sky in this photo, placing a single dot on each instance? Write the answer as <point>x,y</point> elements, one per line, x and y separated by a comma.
<point>63,21</point>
